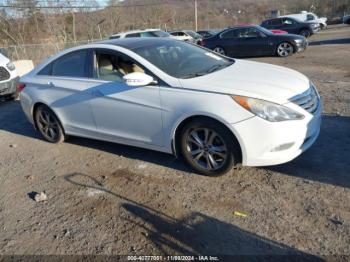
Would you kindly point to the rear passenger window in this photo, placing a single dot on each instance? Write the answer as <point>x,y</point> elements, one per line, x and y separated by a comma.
<point>228,34</point>
<point>276,22</point>
<point>133,35</point>
<point>46,71</point>
<point>72,65</point>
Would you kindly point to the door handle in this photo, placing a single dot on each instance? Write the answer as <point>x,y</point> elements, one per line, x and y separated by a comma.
<point>51,84</point>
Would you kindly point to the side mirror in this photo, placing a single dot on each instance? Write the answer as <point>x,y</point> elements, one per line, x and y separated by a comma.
<point>138,79</point>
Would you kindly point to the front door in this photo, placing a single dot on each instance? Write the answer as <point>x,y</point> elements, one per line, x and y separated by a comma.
<point>252,42</point>
<point>122,112</point>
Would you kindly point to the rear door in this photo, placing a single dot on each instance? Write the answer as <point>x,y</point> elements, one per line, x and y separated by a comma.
<point>63,84</point>
<point>229,41</point>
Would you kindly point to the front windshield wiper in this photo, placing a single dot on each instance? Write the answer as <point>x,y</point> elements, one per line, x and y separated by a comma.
<point>192,75</point>
<point>208,71</point>
<point>216,67</point>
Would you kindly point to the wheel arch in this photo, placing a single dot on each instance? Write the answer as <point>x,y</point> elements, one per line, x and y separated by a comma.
<point>305,28</point>
<point>35,107</point>
<point>177,131</point>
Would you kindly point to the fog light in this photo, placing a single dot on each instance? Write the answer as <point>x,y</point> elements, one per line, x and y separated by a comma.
<point>282,147</point>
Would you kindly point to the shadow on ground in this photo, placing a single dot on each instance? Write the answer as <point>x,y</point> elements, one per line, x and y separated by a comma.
<point>341,41</point>
<point>327,161</point>
<point>195,234</point>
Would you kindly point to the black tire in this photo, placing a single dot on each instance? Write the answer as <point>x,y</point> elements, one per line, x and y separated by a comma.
<point>222,138</point>
<point>305,32</point>
<point>48,125</point>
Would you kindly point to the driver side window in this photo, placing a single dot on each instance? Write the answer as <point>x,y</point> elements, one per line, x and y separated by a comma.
<point>248,33</point>
<point>112,66</point>
<point>288,21</point>
<point>310,17</point>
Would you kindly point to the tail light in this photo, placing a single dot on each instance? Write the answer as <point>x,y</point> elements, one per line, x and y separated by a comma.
<point>201,42</point>
<point>20,87</point>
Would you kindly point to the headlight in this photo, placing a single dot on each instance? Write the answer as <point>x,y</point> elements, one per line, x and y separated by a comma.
<point>269,111</point>
<point>10,66</point>
<point>299,41</point>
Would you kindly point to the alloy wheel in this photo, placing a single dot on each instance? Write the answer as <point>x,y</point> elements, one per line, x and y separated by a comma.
<point>206,148</point>
<point>284,49</point>
<point>219,50</point>
<point>48,125</point>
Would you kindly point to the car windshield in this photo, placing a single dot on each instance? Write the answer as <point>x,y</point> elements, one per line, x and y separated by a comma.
<point>194,34</point>
<point>160,33</point>
<point>182,60</point>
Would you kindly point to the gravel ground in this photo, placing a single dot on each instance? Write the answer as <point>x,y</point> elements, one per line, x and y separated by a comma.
<point>105,198</point>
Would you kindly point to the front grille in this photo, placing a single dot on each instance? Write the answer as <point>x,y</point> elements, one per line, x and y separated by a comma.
<point>4,74</point>
<point>308,100</point>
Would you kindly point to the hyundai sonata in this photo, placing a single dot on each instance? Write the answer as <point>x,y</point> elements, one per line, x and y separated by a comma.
<point>174,97</point>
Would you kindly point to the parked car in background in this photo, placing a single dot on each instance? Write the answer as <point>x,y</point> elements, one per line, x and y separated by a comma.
<point>346,19</point>
<point>310,17</point>
<point>187,35</point>
<point>292,26</point>
<point>8,78</point>
<point>174,97</point>
<point>208,33</point>
<point>141,33</point>
<point>245,41</point>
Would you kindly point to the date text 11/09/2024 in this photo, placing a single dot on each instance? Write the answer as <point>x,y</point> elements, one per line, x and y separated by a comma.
<point>173,258</point>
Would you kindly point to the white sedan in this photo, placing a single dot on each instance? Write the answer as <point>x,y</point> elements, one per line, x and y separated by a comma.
<point>174,97</point>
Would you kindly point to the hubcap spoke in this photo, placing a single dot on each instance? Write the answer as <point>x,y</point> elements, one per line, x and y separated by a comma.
<point>212,162</point>
<point>196,138</point>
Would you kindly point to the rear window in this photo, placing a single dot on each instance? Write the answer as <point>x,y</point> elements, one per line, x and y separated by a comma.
<point>71,65</point>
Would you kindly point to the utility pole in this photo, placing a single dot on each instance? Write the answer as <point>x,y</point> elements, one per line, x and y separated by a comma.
<point>73,21</point>
<point>195,15</point>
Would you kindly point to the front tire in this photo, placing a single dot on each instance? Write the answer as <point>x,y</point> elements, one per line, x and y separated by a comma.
<point>208,147</point>
<point>48,125</point>
<point>284,49</point>
<point>219,50</point>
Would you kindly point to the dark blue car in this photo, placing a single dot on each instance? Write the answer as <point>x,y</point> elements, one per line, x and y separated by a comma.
<point>248,41</point>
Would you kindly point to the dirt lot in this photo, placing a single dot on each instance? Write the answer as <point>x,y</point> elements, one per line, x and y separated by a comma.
<point>106,198</point>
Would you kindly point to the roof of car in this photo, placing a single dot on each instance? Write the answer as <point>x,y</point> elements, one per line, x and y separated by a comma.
<point>137,31</point>
<point>135,42</point>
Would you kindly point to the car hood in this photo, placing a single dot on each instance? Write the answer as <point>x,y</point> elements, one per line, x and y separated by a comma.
<point>246,78</point>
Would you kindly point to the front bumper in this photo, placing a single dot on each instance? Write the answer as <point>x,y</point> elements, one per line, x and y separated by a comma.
<point>8,88</point>
<point>300,47</point>
<point>266,143</point>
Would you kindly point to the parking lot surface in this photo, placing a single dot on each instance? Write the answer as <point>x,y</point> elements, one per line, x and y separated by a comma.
<point>106,198</point>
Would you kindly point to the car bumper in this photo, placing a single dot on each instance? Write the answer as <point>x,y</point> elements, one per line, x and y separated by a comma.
<point>266,143</point>
<point>300,47</point>
<point>8,88</point>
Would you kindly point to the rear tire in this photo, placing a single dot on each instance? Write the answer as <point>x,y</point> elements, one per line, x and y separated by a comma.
<point>219,50</point>
<point>48,125</point>
<point>208,147</point>
<point>305,32</point>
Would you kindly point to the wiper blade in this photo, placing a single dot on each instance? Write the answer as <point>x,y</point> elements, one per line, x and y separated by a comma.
<point>216,67</point>
<point>193,75</point>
